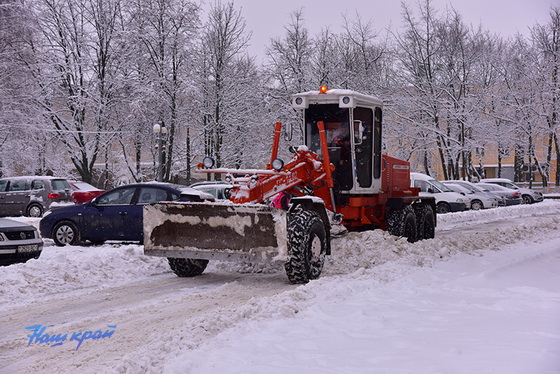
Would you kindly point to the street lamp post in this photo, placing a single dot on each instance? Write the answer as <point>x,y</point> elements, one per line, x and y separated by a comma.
<point>161,133</point>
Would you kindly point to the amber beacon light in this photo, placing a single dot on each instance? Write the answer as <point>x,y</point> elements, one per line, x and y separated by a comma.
<point>323,89</point>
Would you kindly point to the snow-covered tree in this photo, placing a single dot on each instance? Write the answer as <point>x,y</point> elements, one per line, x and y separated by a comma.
<point>438,65</point>
<point>223,49</point>
<point>24,147</point>
<point>419,69</point>
<point>492,133</point>
<point>164,35</point>
<point>547,42</point>
<point>290,68</point>
<point>72,75</point>
<point>521,82</point>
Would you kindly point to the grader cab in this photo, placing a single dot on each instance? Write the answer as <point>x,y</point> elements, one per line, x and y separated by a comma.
<point>339,176</point>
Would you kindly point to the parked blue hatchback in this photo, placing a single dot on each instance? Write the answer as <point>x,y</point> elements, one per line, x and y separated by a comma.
<point>114,215</point>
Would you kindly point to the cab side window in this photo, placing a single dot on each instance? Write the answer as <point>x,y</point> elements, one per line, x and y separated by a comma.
<point>363,121</point>
<point>3,186</point>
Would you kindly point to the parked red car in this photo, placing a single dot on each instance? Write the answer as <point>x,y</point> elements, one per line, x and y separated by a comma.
<point>83,192</point>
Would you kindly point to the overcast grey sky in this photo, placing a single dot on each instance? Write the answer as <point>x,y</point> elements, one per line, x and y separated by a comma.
<point>267,18</point>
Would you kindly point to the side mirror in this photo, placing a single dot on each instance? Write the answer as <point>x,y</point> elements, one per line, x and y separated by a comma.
<point>431,190</point>
<point>358,132</point>
<point>288,132</point>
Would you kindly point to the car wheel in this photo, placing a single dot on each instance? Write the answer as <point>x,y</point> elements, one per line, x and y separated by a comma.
<point>34,210</point>
<point>65,233</point>
<point>527,199</point>
<point>477,205</point>
<point>443,208</point>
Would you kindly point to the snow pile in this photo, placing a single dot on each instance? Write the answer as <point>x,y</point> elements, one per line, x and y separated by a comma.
<point>451,220</point>
<point>487,320</point>
<point>64,269</point>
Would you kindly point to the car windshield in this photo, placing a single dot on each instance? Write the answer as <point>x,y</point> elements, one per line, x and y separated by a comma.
<point>83,186</point>
<point>493,187</point>
<point>477,188</point>
<point>465,185</point>
<point>440,186</point>
<point>459,188</point>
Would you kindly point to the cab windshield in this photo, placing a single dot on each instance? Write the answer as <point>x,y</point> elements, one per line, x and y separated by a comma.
<point>337,129</point>
<point>337,125</point>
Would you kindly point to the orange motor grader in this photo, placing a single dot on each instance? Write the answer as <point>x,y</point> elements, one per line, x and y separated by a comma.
<point>339,177</point>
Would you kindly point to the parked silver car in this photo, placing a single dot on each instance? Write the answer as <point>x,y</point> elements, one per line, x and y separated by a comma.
<point>480,198</point>
<point>467,198</point>
<point>19,242</point>
<point>513,197</point>
<point>218,189</point>
<point>32,195</point>
<point>529,196</point>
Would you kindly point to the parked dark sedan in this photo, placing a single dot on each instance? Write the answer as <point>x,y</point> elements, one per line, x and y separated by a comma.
<point>114,215</point>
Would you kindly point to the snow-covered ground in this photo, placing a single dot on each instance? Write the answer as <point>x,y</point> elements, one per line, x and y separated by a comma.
<point>482,297</point>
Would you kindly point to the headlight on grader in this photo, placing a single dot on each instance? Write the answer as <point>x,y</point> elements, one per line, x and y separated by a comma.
<point>277,164</point>
<point>208,162</point>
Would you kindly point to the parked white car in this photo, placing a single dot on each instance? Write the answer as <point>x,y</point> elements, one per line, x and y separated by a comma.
<point>512,196</point>
<point>529,196</point>
<point>19,242</point>
<point>447,200</point>
<point>480,198</point>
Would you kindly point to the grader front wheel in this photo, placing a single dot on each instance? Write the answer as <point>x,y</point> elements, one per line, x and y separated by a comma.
<point>307,245</point>
<point>187,267</point>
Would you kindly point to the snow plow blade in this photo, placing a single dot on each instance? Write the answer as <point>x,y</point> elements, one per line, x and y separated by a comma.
<point>220,231</point>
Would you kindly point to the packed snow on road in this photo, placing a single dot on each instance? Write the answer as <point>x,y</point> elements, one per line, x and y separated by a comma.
<point>482,297</point>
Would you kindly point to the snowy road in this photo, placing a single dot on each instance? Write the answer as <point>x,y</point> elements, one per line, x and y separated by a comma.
<point>164,323</point>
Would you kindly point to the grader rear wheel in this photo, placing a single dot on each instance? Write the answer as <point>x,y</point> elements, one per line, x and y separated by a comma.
<point>402,222</point>
<point>307,245</point>
<point>425,221</point>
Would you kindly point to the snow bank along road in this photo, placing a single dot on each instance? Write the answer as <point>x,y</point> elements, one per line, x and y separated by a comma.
<point>110,309</point>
